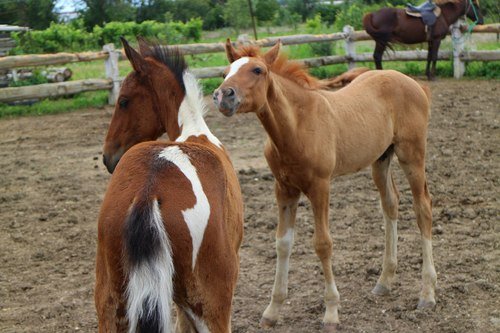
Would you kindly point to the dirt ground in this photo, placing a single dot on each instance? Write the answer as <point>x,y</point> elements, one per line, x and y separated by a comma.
<point>52,182</point>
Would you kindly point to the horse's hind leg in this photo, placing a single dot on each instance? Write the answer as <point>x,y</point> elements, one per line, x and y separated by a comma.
<point>287,198</point>
<point>412,160</point>
<point>378,53</point>
<point>435,48</point>
<point>389,200</point>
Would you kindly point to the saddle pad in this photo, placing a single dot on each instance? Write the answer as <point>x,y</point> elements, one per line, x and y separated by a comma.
<point>436,11</point>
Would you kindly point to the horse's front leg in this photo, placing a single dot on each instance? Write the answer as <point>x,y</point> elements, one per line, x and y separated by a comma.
<point>287,198</point>
<point>319,195</point>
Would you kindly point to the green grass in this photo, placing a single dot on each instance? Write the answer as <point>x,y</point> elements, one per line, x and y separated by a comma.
<point>92,99</point>
<point>95,69</point>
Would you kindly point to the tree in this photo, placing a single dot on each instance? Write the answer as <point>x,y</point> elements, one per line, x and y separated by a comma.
<point>237,15</point>
<point>36,14</point>
<point>265,10</point>
<point>305,8</point>
<point>98,12</point>
<point>154,10</point>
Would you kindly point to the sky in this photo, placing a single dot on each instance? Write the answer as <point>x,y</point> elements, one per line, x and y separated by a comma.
<point>68,5</point>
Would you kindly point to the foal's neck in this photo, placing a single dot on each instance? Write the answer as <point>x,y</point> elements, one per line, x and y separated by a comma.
<point>280,115</point>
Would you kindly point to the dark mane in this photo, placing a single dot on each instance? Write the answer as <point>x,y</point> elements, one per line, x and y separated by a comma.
<point>170,56</point>
<point>292,70</point>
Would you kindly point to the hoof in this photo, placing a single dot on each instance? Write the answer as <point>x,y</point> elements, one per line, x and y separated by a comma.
<point>267,323</point>
<point>423,304</point>
<point>331,327</point>
<point>380,290</point>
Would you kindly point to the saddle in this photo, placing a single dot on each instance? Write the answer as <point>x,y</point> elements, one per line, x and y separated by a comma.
<point>428,11</point>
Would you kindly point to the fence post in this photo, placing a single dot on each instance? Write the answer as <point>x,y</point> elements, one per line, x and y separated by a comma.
<point>112,72</point>
<point>350,48</point>
<point>457,39</point>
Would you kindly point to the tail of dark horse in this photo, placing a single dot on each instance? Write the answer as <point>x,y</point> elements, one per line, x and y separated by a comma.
<point>381,33</point>
<point>148,257</point>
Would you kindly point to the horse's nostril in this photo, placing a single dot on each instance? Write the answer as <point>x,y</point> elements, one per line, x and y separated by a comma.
<point>229,92</point>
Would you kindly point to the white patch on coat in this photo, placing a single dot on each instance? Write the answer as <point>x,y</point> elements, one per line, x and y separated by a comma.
<point>151,282</point>
<point>235,66</point>
<point>197,217</point>
<point>191,111</point>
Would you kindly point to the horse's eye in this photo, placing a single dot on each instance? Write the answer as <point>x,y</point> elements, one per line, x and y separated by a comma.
<point>224,75</point>
<point>123,102</point>
<point>257,70</point>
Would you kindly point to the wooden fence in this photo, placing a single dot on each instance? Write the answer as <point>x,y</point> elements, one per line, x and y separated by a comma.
<point>113,81</point>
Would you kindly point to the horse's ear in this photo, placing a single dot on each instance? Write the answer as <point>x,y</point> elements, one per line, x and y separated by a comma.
<point>143,46</point>
<point>271,55</point>
<point>134,57</point>
<point>232,54</point>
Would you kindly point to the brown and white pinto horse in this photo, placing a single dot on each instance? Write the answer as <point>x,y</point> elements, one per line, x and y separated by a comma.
<point>171,223</point>
<point>316,135</point>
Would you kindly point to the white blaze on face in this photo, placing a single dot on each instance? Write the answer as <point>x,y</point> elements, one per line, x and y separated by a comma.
<point>235,66</point>
<point>196,217</point>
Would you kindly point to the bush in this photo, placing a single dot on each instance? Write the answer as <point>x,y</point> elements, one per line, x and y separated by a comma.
<point>350,14</point>
<point>73,38</point>
<point>56,38</point>
<point>315,26</point>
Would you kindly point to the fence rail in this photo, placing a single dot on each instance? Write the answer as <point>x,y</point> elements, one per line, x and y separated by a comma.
<point>113,81</point>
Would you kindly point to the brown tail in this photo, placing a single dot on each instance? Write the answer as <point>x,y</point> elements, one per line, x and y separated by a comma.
<point>343,79</point>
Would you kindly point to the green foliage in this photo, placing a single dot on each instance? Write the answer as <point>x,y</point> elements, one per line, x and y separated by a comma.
<point>36,78</point>
<point>99,12</point>
<point>265,10</point>
<point>351,14</point>
<point>491,10</point>
<point>285,17</point>
<point>154,10</point>
<point>328,13</point>
<point>315,26</point>
<point>237,14</point>
<point>214,19</point>
<point>184,10</point>
<point>48,106</point>
<point>72,38</point>
<point>304,8</point>
<point>56,38</point>
<point>489,70</point>
<point>36,14</point>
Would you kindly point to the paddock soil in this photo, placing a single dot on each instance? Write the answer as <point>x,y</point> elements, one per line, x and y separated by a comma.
<point>52,183</point>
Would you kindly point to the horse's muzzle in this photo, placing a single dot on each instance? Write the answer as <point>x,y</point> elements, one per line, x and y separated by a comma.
<point>111,160</point>
<point>226,100</point>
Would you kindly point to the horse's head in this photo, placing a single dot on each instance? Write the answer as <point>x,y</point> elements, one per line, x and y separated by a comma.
<point>473,11</point>
<point>149,95</point>
<point>246,81</point>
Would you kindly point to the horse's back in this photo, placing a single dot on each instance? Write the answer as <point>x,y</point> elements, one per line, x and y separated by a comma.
<point>390,83</point>
<point>187,181</point>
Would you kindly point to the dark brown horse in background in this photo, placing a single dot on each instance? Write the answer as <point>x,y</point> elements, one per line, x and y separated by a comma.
<point>389,25</point>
